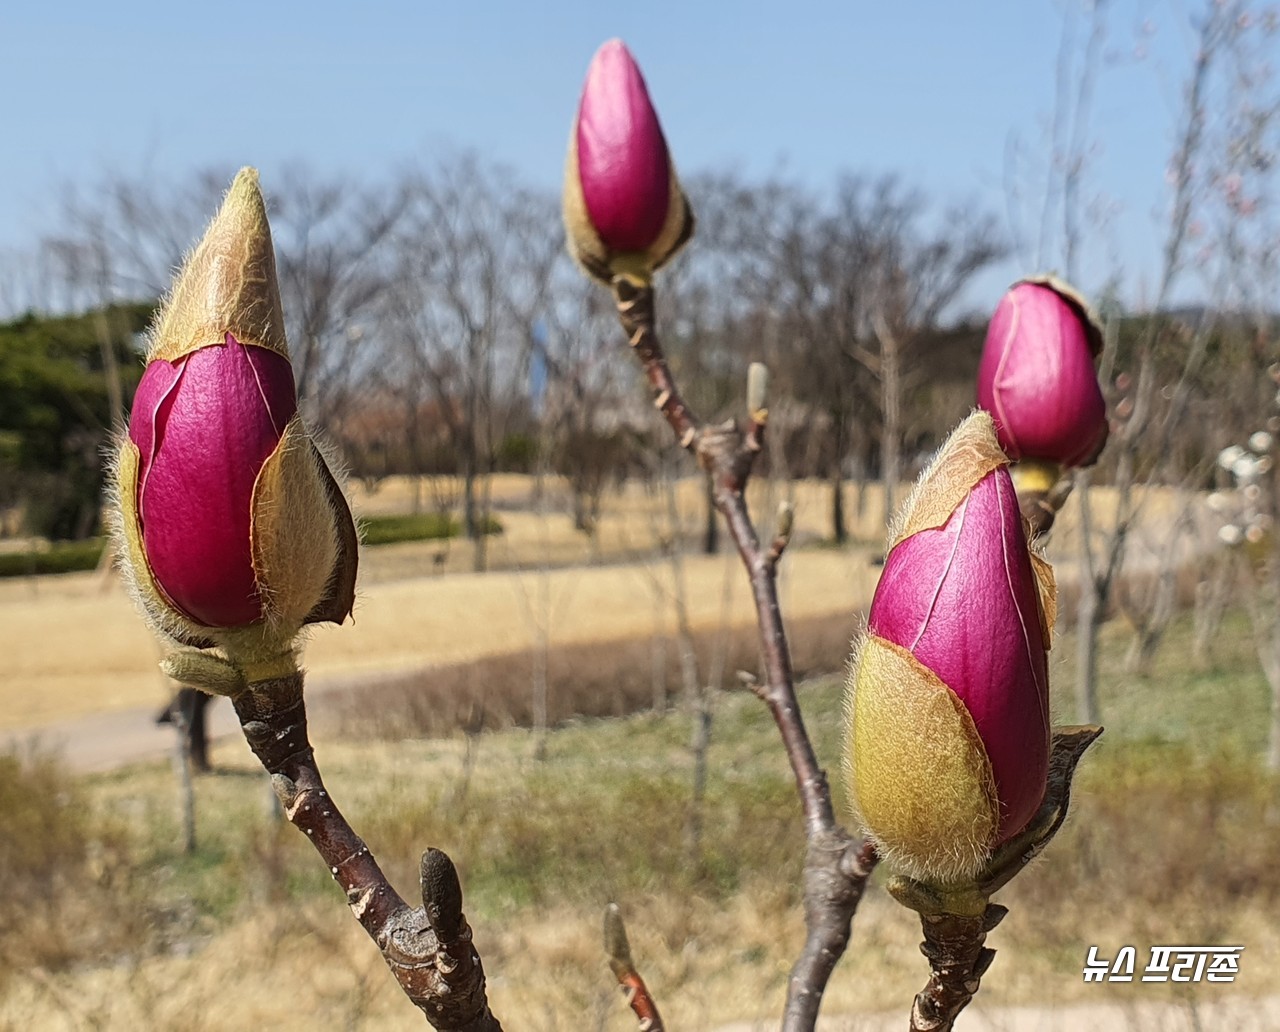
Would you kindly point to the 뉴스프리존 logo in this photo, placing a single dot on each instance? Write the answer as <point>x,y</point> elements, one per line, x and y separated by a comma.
<point>1166,964</point>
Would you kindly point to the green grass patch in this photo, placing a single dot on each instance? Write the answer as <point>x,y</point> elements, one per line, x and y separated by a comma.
<point>59,557</point>
<point>427,526</point>
<point>1220,704</point>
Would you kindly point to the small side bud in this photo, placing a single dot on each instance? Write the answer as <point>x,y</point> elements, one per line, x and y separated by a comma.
<point>204,670</point>
<point>758,392</point>
<point>441,894</point>
<point>786,519</point>
<point>616,945</point>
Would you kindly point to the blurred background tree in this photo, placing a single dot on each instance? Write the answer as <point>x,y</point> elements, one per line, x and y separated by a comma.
<point>55,413</point>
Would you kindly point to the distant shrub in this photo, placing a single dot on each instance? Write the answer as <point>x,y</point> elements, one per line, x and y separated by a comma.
<point>59,557</point>
<point>518,453</point>
<point>428,526</point>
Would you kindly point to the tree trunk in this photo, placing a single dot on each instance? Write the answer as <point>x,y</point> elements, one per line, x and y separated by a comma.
<point>891,426</point>
<point>1148,636</point>
<point>195,704</point>
<point>839,531</point>
<point>1088,610</point>
<point>1267,625</point>
<point>1088,622</point>
<point>187,710</point>
<point>182,769</point>
<point>1273,675</point>
<point>711,533</point>
<point>470,524</point>
<point>483,514</point>
<point>695,695</point>
<point>1210,604</point>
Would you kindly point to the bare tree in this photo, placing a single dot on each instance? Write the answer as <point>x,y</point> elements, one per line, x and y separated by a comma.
<point>475,255</point>
<point>334,265</point>
<point>917,277</point>
<point>1150,380</point>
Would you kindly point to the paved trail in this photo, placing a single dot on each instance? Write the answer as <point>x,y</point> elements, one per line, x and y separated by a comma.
<point>107,741</point>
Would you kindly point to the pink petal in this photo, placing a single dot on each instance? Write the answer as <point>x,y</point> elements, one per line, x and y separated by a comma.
<point>622,154</point>
<point>205,425</point>
<point>962,599</point>
<point>1037,379</point>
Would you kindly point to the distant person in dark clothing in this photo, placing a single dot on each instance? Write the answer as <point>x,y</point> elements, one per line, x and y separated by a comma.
<point>188,707</point>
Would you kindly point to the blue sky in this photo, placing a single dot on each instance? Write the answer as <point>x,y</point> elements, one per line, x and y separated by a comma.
<point>930,89</point>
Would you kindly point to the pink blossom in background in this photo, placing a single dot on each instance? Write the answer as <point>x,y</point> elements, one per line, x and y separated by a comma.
<point>1037,378</point>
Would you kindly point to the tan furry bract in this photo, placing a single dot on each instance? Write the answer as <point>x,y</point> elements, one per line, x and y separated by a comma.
<point>228,284</point>
<point>968,455</point>
<point>922,784</point>
<point>1047,592</point>
<point>340,594</point>
<point>584,243</point>
<point>292,530</point>
<point>205,670</point>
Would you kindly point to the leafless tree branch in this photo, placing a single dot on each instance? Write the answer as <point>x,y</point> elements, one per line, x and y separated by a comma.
<point>836,865</point>
<point>427,948</point>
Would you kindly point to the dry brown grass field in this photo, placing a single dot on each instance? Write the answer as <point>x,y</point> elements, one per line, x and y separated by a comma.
<point>74,645</point>
<point>106,924</point>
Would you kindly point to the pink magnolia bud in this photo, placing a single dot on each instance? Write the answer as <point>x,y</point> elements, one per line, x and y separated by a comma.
<point>1037,376</point>
<point>623,206</point>
<point>950,714</point>
<point>229,519</point>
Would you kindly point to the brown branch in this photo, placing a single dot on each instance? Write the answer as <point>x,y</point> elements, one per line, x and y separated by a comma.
<point>954,945</point>
<point>618,950</point>
<point>635,310</point>
<point>428,949</point>
<point>836,865</point>
<point>1041,508</point>
<point>956,919</point>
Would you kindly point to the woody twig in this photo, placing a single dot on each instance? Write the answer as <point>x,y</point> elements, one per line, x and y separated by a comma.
<point>427,948</point>
<point>836,864</point>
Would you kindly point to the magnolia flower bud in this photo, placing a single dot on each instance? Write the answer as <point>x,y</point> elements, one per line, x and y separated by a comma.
<point>624,211</point>
<point>949,741</point>
<point>1037,377</point>
<point>230,517</point>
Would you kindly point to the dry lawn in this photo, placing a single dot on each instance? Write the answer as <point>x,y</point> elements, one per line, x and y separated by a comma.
<point>74,645</point>
<point>1173,841</point>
